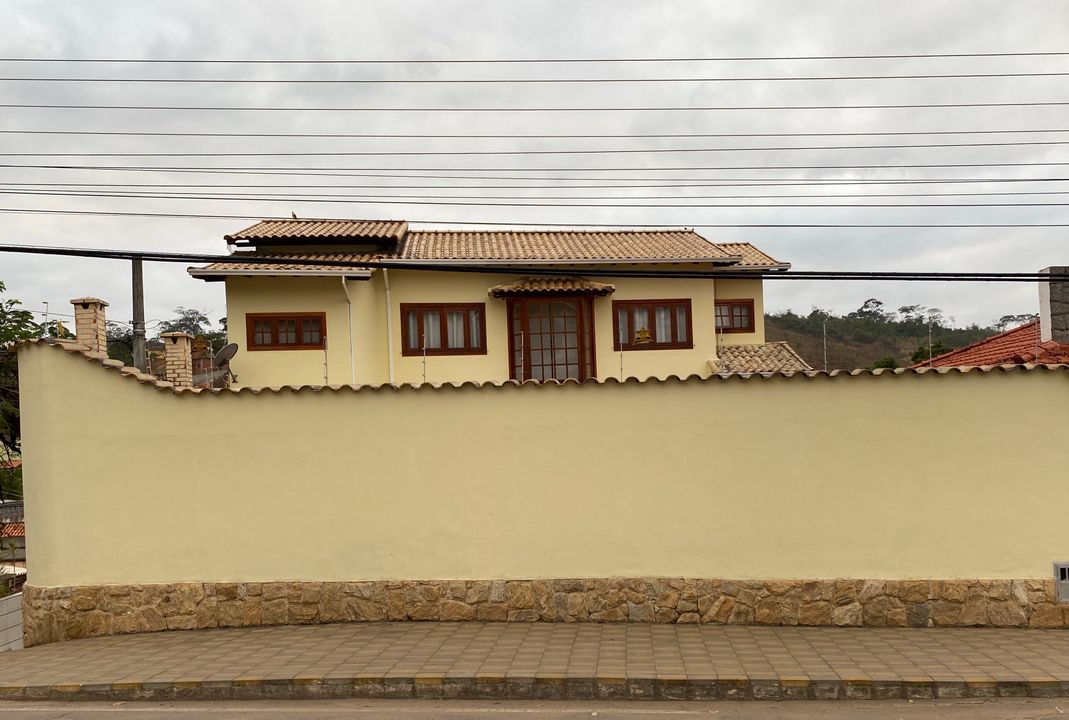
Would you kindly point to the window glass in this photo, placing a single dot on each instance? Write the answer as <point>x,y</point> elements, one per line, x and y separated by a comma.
<point>287,332</point>
<point>652,324</point>
<point>445,329</point>
<point>310,331</point>
<point>735,316</point>
<point>413,330</point>
<point>262,332</point>
<point>475,329</point>
<point>432,329</point>
<point>454,328</point>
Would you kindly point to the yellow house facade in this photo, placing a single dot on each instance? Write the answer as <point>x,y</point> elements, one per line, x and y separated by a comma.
<point>331,302</point>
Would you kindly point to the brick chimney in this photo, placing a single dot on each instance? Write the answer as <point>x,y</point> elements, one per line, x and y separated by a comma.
<point>90,324</point>
<point>178,365</point>
<point>1053,307</point>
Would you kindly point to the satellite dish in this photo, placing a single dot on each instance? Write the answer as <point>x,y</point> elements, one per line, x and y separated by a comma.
<point>225,355</point>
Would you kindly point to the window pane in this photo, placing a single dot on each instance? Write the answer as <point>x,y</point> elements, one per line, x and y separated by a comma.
<point>642,334</point>
<point>432,330</point>
<point>681,323</point>
<point>475,339</point>
<point>662,315</point>
<point>261,332</point>
<point>287,332</point>
<point>310,333</point>
<point>622,335</point>
<point>723,315</point>
<point>454,325</point>
<point>740,316</point>
<point>412,338</point>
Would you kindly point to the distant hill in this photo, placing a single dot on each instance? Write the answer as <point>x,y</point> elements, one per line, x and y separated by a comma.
<point>873,336</point>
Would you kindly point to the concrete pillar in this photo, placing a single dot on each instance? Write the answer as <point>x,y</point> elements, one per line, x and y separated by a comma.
<point>178,360</point>
<point>90,324</point>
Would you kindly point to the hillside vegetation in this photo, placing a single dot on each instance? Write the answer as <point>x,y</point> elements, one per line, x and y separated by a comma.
<point>874,336</point>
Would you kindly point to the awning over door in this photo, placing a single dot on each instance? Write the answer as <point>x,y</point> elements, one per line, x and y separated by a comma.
<point>551,286</point>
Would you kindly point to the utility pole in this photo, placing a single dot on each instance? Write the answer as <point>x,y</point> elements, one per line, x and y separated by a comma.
<point>825,324</point>
<point>138,281</point>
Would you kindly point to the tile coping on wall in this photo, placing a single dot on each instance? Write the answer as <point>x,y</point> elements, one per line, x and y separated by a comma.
<point>68,612</point>
<point>152,381</point>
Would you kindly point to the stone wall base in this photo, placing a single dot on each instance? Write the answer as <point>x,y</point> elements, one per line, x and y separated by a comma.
<point>64,613</point>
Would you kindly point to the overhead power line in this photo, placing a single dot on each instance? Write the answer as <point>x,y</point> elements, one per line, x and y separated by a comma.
<point>528,61</point>
<point>297,191</point>
<point>534,202</point>
<point>664,182</point>
<point>633,168</point>
<point>477,266</point>
<point>207,216</point>
<point>605,151</point>
<point>506,109</point>
<point>524,81</point>
<point>599,136</point>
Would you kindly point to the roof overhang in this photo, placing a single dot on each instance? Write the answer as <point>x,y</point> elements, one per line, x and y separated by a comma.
<point>215,275</point>
<point>515,262</point>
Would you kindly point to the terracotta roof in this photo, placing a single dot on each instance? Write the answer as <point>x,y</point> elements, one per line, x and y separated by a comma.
<point>772,357</point>
<point>552,286</point>
<point>1019,345</point>
<point>560,245</point>
<point>11,530</point>
<point>320,229</point>
<point>751,256</point>
<point>12,464</point>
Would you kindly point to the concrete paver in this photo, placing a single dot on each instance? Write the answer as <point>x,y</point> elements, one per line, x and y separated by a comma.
<point>546,661</point>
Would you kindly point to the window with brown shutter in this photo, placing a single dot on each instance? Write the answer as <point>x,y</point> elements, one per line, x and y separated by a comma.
<point>286,331</point>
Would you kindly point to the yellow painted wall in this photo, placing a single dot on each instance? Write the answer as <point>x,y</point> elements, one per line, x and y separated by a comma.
<point>297,367</point>
<point>907,476</point>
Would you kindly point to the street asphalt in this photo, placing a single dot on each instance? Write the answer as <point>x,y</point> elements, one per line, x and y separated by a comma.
<point>967,709</point>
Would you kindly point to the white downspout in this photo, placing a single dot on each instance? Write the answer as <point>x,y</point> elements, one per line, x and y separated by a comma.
<point>389,321</point>
<point>352,354</point>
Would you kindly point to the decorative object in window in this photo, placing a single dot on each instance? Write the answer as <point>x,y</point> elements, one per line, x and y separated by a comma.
<point>443,328</point>
<point>286,331</point>
<point>651,324</point>
<point>734,316</point>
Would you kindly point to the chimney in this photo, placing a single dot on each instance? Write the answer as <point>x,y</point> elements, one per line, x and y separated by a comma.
<point>178,365</point>
<point>1053,306</point>
<point>90,325</point>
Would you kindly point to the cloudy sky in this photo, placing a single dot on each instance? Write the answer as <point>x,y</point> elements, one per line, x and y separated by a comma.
<point>541,29</point>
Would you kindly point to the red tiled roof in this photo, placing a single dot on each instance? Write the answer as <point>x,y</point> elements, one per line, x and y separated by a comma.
<point>13,464</point>
<point>11,530</point>
<point>1019,345</point>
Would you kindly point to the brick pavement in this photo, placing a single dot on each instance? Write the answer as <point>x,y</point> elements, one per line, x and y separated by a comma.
<point>543,660</point>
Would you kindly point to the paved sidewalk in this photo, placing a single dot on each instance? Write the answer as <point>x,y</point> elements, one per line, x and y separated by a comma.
<point>546,661</point>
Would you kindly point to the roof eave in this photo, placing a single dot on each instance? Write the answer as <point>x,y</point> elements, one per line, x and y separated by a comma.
<point>207,273</point>
<point>562,261</point>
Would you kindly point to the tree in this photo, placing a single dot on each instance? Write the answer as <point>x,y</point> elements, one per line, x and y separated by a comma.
<point>15,324</point>
<point>887,362</point>
<point>1007,321</point>
<point>922,353</point>
<point>188,320</point>
<point>871,309</point>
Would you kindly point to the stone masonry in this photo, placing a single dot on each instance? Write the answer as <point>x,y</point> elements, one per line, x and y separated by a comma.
<point>91,325</point>
<point>63,613</point>
<point>178,358</point>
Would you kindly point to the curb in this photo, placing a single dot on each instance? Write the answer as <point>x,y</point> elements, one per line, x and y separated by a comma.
<point>550,686</point>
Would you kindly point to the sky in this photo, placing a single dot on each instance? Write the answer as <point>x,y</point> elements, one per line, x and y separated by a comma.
<point>541,30</point>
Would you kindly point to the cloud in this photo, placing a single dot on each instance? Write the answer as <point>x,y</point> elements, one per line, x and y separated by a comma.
<point>268,29</point>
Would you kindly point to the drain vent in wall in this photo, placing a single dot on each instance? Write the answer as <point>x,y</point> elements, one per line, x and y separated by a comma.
<point>1061,581</point>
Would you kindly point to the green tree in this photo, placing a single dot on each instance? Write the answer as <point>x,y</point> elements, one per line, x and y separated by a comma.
<point>187,320</point>
<point>15,324</point>
<point>887,362</point>
<point>938,348</point>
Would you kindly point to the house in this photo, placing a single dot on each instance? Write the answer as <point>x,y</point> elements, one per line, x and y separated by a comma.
<point>1044,341</point>
<point>490,305</point>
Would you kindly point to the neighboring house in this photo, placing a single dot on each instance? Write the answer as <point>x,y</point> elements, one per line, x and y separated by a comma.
<point>1044,341</point>
<point>421,320</point>
<point>12,542</point>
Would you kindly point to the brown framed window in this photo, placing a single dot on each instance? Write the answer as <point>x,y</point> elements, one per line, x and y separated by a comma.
<point>734,316</point>
<point>443,328</point>
<point>286,331</point>
<point>651,324</point>
<point>551,338</point>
